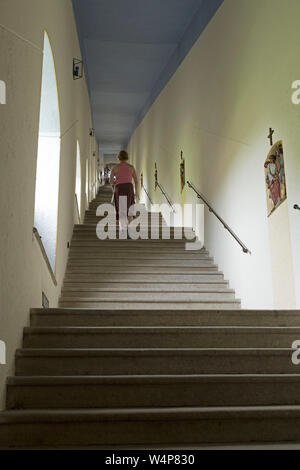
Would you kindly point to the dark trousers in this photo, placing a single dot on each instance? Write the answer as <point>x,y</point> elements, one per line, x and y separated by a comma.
<point>125,189</point>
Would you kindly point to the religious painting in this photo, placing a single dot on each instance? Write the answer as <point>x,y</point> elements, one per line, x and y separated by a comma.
<point>275,178</point>
<point>182,172</point>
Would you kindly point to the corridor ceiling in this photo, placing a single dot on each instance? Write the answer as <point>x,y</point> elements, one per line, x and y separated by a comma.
<point>130,49</point>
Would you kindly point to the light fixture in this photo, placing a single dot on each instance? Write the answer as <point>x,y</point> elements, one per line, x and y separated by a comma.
<point>77,69</point>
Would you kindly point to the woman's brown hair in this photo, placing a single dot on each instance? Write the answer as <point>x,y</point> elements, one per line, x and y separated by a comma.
<point>123,156</point>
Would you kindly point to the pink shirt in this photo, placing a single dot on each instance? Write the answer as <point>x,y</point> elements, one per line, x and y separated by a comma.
<point>124,174</point>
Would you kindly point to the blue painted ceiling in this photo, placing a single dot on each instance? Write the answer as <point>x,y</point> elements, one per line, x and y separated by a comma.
<point>130,49</point>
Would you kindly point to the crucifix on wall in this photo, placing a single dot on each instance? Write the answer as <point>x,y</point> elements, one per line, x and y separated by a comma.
<point>270,136</point>
<point>156,176</point>
<point>182,172</point>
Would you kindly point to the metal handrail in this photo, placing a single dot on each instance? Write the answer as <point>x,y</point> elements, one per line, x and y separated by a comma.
<point>200,196</point>
<point>166,196</point>
<point>143,187</point>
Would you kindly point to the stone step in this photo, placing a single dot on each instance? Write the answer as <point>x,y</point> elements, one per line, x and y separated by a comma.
<point>111,222</point>
<point>102,317</point>
<point>150,230</point>
<point>159,337</point>
<point>128,243</point>
<point>150,219</point>
<point>151,269</point>
<point>141,296</point>
<point>86,228</point>
<point>154,262</point>
<point>109,276</point>
<point>91,288</point>
<point>135,303</point>
<point>93,222</point>
<point>154,426</point>
<point>150,234</point>
<point>127,251</point>
<point>92,214</point>
<point>52,362</point>
<point>115,237</point>
<point>158,235</point>
<point>103,197</point>
<point>99,201</point>
<point>137,255</point>
<point>152,391</point>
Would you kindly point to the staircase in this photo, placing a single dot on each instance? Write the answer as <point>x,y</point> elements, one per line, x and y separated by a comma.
<point>149,347</point>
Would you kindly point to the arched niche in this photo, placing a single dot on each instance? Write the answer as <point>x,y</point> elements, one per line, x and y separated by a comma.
<point>48,157</point>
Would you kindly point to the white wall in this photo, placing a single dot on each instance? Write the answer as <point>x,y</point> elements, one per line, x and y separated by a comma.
<point>23,271</point>
<point>234,84</point>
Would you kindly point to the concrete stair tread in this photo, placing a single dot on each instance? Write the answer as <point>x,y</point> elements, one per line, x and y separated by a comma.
<point>138,257</point>
<point>162,301</point>
<point>146,306</point>
<point>100,250</point>
<point>150,283</point>
<point>143,289</point>
<point>127,241</point>
<point>90,228</point>
<point>149,414</point>
<point>137,296</point>
<point>137,264</point>
<point>157,317</point>
<point>140,379</point>
<point>87,285</point>
<point>100,253</point>
<point>86,279</point>
<point>95,246</point>
<point>236,313</point>
<point>139,270</point>
<point>140,391</point>
<point>112,224</point>
<point>161,329</point>
<point>158,337</point>
<point>158,352</point>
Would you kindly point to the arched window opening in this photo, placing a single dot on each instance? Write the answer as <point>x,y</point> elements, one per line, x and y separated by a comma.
<point>47,172</point>
<point>78,177</point>
<point>87,181</point>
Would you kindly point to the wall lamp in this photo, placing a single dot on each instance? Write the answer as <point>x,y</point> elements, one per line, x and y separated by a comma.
<point>77,69</point>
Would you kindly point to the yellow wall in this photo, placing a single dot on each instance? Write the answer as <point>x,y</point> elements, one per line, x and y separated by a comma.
<point>23,272</point>
<point>281,258</point>
<point>234,84</point>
